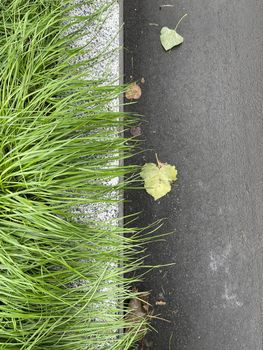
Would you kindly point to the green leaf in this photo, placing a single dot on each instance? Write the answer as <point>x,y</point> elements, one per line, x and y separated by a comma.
<point>170,38</point>
<point>158,178</point>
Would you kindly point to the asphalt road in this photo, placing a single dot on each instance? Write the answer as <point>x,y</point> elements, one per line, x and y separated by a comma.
<point>202,104</point>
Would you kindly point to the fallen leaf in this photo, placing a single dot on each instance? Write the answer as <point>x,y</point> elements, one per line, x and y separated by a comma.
<point>170,38</point>
<point>136,131</point>
<point>138,309</point>
<point>158,178</point>
<point>133,92</point>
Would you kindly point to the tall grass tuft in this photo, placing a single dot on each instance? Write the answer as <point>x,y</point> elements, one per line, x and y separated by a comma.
<point>62,283</point>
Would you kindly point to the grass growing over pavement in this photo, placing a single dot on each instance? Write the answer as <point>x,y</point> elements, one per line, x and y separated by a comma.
<point>61,281</point>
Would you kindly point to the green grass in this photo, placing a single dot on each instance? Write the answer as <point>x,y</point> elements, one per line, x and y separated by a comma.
<point>62,284</point>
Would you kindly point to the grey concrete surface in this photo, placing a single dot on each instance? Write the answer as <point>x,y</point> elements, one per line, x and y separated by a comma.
<point>202,105</point>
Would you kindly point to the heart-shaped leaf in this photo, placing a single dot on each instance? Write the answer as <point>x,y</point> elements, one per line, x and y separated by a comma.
<point>170,38</point>
<point>158,178</point>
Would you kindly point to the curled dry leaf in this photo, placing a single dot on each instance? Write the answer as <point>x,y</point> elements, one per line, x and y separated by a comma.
<point>138,308</point>
<point>133,92</point>
<point>136,131</point>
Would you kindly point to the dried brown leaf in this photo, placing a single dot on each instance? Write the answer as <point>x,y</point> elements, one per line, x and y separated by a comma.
<point>136,131</point>
<point>134,92</point>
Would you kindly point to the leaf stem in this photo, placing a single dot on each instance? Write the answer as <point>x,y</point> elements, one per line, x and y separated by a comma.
<point>180,20</point>
<point>158,162</point>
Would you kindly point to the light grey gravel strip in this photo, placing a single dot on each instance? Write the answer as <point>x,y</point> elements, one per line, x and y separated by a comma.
<point>105,37</point>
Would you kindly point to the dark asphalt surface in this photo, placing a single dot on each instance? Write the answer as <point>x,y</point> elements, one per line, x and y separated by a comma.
<point>202,105</point>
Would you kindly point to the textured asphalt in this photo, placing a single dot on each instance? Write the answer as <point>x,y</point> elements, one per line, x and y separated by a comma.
<point>202,105</point>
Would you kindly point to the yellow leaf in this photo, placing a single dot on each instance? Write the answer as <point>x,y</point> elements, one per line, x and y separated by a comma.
<point>158,178</point>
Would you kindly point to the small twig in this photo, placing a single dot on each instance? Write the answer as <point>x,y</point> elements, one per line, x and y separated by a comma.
<point>168,5</point>
<point>132,64</point>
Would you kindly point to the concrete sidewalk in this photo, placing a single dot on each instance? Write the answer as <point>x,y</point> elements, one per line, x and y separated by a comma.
<point>202,105</point>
